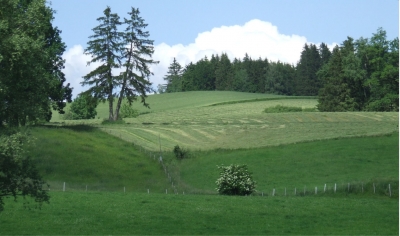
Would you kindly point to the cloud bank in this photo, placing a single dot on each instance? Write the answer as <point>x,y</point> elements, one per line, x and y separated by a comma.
<point>256,38</point>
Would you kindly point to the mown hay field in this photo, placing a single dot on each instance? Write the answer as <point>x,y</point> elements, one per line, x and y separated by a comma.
<point>245,125</point>
<point>232,120</point>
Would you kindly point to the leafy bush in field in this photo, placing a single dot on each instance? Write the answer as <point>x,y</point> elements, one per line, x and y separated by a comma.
<point>83,107</point>
<point>180,153</point>
<point>235,180</point>
<point>18,174</point>
<point>281,109</point>
<point>128,112</point>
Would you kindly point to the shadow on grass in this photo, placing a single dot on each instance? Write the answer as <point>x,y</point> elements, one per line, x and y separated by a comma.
<point>77,128</point>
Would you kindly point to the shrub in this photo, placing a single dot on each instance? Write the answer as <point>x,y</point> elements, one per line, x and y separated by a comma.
<point>128,112</point>
<point>180,153</point>
<point>280,108</point>
<point>83,107</point>
<point>235,180</point>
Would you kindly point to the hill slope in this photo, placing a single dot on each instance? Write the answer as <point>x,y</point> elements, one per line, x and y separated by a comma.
<point>83,156</point>
<point>189,119</point>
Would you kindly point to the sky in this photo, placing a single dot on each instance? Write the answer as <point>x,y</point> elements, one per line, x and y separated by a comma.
<point>191,29</point>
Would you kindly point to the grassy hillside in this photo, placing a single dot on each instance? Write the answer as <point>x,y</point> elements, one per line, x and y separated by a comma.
<point>189,119</point>
<point>364,160</point>
<point>83,156</point>
<point>184,100</point>
<point>219,128</point>
<point>100,213</point>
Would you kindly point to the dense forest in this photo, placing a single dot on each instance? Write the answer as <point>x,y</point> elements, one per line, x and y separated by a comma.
<point>358,75</point>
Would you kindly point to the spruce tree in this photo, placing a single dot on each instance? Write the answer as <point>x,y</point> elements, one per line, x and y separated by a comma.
<point>325,53</point>
<point>307,83</point>
<point>335,94</point>
<point>135,79</point>
<point>106,48</point>
<point>174,77</point>
<point>224,74</point>
<point>130,50</point>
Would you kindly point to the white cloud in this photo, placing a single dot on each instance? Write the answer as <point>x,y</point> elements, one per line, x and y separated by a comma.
<point>256,38</point>
<point>76,67</point>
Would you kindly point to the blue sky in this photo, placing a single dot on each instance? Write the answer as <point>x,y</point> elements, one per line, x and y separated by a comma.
<point>190,29</point>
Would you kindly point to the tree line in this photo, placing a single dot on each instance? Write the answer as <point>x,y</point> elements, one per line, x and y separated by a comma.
<point>358,75</point>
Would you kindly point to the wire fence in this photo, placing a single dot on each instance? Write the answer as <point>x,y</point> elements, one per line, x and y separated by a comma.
<point>385,188</point>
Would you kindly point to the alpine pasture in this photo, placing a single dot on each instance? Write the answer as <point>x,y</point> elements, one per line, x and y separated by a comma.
<point>116,185</point>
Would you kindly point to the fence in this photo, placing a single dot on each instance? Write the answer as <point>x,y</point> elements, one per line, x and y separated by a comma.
<point>375,189</point>
<point>379,188</point>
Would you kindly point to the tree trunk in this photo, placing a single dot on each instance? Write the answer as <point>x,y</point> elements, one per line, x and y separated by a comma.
<point>110,99</point>
<point>121,94</point>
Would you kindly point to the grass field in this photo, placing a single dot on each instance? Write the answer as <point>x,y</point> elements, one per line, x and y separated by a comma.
<point>110,213</point>
<point>189,120</point>
<point>364,160</point>
<point>182,101</point>
<point>81,156</point>
<point>283,150</point>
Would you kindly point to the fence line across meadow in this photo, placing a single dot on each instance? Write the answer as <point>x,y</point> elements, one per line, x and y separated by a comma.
<point>347,188</point>
<point>376,189</point>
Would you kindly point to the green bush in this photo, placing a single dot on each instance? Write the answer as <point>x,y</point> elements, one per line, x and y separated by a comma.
<point>180,153</point>
<point>83,107</point>
<point>235,180</point>
<point>128,112</point>
<point>281,109</point>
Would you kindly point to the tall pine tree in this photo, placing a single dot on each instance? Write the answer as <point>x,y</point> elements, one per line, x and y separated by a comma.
<point>307,83</point>
<point>335,94</point>
<point>131,50</point>
<point>174,77</point>
<point>105,47</point>
<point>224,74</point>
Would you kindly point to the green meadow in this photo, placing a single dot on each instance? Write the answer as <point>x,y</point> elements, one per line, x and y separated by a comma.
<point>101,213</point>
<point>212,119</point>
<point>116,185</point>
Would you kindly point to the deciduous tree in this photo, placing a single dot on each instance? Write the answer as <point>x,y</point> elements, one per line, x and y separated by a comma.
<point>18,175</point>
<point>31,77</point>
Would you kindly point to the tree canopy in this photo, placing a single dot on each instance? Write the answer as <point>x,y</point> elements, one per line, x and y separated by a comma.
<point>31,77</point>
<point>18,175</point>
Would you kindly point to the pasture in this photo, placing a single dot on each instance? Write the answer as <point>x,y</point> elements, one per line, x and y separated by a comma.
<point>84,156</point>
<point>302,150</point>
<point>231,120</point>
<point>94,213</point>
